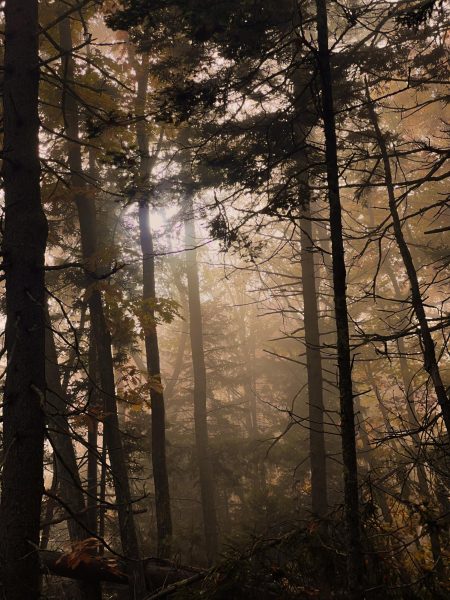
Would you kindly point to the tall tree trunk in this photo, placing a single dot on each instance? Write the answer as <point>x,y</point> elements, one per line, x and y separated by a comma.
<point>24,241</point>
<point>428,347</point>
<point>160,476</point>
<point>102,494</point>
<point>66,462</point>
<point>111,428</point>
<point>158,424</point>
<point>61,441</point>
<point>207,488</point>
<point>303,97</point>
<point>94,404</point>
<point>319,492</point>
<point>355,561</point>
<point>93,410</point>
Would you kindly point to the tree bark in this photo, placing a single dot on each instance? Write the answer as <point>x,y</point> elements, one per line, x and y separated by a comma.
<point>60,439</point>
<point>303,97</point>
<point>24,242</point>
<point>49,509</point>
<point>93,413</point>
<point>158,423</point>
<point>207,488</point>
<point>66,462</point>
<point>428,348</point>
<point>111,429</point>
<point>355,561</point>
<point>319,491</point>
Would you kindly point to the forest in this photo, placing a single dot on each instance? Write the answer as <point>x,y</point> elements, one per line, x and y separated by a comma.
<point>225,311</point>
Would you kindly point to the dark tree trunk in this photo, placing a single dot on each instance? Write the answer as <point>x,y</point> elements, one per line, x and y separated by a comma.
<point>319,492</point>
<point>158,424</point>
<point>207,488</point>
<point>94,408</point>
<point>68,476</point>
<point>428,348</point>
<point>355,561</point>
<point>49,509</point>
<point>60,439</point>
<point>24,241</point>
<point>160,476</point>
<point>102,494</point>
<point>88,230</point>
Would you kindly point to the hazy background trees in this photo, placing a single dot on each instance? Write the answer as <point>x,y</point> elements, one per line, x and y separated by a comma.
<point>239,355</point>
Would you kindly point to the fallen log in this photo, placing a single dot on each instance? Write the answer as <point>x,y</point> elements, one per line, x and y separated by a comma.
<point>85,566</point>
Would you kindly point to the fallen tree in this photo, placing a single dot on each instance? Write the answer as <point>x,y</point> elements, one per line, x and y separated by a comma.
<point>82,565</point>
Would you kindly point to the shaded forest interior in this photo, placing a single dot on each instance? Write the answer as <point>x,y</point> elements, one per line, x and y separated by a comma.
<point>225,321</point>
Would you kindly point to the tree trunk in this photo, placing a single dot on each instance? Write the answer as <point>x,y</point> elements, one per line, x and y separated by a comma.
<point>49,509</point>
<point>93,409</point>
<point>207,488</point>
<point>428,348</point>
<point>177,366</point>
<point>319,492</point>
<point>60,439</point>
<point>66,462</point>
<point>423,484</point>
<point>355,561</point>
<point>24,241</point>
<point>158,424</point>
<point>158,572</point>
<point>87,218</point>
<point>102,495</point>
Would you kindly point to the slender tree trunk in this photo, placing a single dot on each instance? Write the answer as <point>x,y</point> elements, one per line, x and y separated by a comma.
<point>355,561</point>
<point>423,484</point>
<point>94,405</point>
<point>113,438</point>
<point>102,494</point>
<point>73,354</point>
<point>303,97</point>
<point>319,492</point>
<point>160,476</point>
<point>93,409</point>
<point>428,347</point>
<point>49,509</point>
<point>24,241</point>
<point>111,429</point>
<point>207,488</point>
<point>60,439</point>
<point>66,462</point>
<point>177,366</point>
<point>158,424</point>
